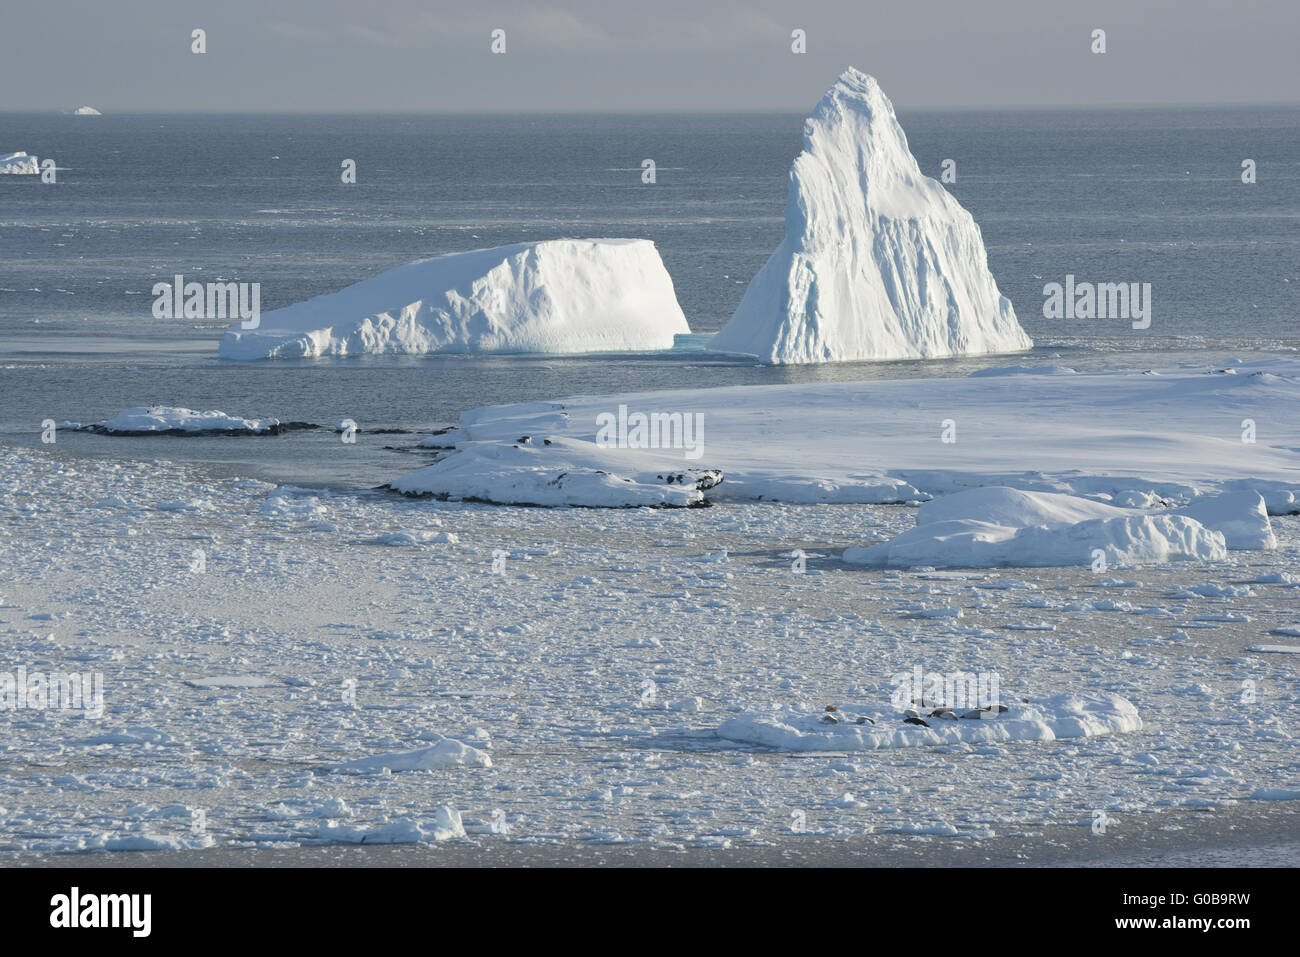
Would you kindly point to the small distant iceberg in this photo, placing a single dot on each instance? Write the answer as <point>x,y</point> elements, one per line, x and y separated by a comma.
<point>86,111</point>
<point>552,297</point>
<point>878,261</point>
<point>18,163</point>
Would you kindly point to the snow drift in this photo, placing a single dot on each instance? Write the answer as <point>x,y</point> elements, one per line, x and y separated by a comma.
<point>18,163</point>
<point>559,296</point>
<point>878,261</point>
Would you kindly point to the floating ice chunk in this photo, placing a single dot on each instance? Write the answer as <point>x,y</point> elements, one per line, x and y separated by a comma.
<point>558,296</point>
<point>1068,715</point>
<point>408,539</point>
<point>1240,516</point>
<point>445,826</point>
<point>447,753</point>
<point>878,262</point>
<point>18,164</point>
<point>1005,527</point>
<point>164,419</point>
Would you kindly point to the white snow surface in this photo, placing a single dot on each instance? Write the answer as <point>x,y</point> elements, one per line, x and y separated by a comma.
<point>879,261</point>
<point>18,163</point>
<point>1168,442</point>
<point>557,296</point>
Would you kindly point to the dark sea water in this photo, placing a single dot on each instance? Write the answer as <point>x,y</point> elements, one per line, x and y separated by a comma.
<point>1117,196</point>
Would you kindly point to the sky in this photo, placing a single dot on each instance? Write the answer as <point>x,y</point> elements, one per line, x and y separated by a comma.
<point>434,56</point>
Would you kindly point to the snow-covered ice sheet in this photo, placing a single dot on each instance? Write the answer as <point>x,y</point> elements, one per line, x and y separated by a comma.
<point>879,261</point>
<point>1126,438</point>
<point>557,296</point>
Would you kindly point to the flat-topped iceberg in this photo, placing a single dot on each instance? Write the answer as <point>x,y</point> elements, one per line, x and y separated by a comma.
<point>18,163</point>
<point>557,296</point>
<point>878,261</point>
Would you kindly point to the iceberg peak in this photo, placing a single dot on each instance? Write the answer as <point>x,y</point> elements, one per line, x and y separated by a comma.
<point>879,261</point>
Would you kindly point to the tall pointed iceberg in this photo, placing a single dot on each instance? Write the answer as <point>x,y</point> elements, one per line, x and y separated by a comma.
<point>878,262</point>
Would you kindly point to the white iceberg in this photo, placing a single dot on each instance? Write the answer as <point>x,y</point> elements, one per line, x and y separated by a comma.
<point>1005,527</point>
<point>86,111</point>
<point>557,296</point>
<point>19,164</point>
<point>878,261</point>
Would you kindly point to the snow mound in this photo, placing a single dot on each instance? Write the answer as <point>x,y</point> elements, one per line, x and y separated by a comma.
<point>18,163</point>
<point>447,753</point>
<point>1005,527</point>
<point>163,419</point>
<point>558,296</point>
<point>1073,715</point>
<point>878,261</point>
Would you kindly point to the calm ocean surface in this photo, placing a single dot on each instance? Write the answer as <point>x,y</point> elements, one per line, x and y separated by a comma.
<point>1115,196</point>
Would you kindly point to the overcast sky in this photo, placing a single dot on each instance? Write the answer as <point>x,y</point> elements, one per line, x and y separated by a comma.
<point>658,55</point>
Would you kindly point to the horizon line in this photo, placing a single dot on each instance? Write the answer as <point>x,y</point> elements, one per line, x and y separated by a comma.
<point>641,111</point>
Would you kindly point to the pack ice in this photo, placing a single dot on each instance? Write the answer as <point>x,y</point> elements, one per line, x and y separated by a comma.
<point>557,296</point>
<point>19,163</point>
<point>878,261</point>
